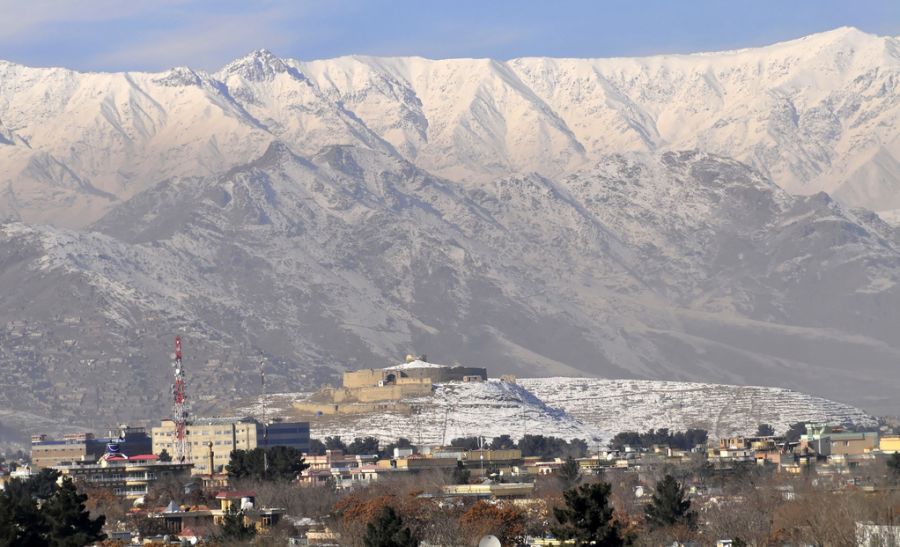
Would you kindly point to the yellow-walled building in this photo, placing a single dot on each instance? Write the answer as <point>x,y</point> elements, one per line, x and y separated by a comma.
<point>889,444</point>
<point>211,440</point>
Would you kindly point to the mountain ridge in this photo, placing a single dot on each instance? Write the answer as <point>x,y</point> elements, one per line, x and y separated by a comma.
<point>541,216</point>
<point>811,118</point>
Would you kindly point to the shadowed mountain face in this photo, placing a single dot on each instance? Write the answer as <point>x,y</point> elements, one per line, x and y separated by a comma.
<point>681,266</point>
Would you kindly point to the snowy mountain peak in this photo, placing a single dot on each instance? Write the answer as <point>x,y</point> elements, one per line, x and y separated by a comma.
<point>260,65</point>
<point>179,77</point>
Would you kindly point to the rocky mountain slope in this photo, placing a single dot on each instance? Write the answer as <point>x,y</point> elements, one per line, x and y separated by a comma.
<point>680,266</point>
<point>534,216</point>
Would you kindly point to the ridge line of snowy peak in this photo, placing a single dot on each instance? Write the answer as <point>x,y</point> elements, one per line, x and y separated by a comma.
<point>814,114</point>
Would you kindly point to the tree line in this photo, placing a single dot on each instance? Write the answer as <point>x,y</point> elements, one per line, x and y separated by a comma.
<point>42,510</point>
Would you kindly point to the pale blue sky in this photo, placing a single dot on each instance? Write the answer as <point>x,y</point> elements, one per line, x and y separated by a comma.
<point>154,35</point>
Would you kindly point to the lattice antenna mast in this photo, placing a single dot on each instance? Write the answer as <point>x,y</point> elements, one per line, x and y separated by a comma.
<point>182,448</point>
<point>265,418</point>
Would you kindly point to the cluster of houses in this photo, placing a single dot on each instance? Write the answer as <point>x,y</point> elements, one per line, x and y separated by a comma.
<point>491,474</point>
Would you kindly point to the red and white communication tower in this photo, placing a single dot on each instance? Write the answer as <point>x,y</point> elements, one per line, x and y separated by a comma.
<point>182,448</point>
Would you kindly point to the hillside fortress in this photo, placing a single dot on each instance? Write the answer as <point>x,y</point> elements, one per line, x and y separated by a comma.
<point>368,390</point>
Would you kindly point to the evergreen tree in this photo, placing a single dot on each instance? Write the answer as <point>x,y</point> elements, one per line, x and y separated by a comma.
<point>335,443</point>
<point>233,526</point>
<point>795,430</point>
<point>503,442</point>
<point>587,517</point>
<point>765,430</point>
<point>70,524</point>
<point>21,523</point>
<point>316,447</point>
<point>893,464</point>
<point>461,475</point>
<point>388,451</point>
<point>284,464</point>
<point>669,505</point>
<point>42,485</point>
<point>164,456</point>
<point>388,531</point>
<point>578,448</point>
<point>570,473</point>
<point>466,443</point>
<point>364,446</point>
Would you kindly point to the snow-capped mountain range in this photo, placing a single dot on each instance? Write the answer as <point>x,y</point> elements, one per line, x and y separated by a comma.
<point>815,114</point>
<point>655,218</point>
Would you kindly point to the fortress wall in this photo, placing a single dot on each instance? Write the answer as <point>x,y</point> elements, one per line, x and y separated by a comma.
<point>455,374</point>
<point>371,377</point>
<point>352,408</point>
<point>392,392</point>
<point>363,378</point>
<point>414,381</point>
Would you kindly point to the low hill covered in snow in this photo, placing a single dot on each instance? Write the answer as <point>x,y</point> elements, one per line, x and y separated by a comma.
<point>586,408</point>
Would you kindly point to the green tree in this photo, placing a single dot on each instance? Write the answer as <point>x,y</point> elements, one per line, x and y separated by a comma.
<point>765,430</point>
<point>388,451</point>
<point>466,443</point>
<point>794,431</point>
<point>335,443</point>
<point>387,530</point>
<point>21,523</point>
<point>625,438</point>
<point>233,526</point>
<point>279,463</point>
<point>587,517</point>
<point>893,464</point>
<point>42,485</point>
<point>70,524</point>
<point>460,474</point>
<point>316,447</point>
<point>364,446</point>
<point>578,448</point>
<point>164,456</point>
<point>503,442</point>
<point>669,505</point>
<point>569,472</point>
<point>285,463</point>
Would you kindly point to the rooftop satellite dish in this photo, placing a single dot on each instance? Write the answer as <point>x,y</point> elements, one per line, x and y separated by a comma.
<point>489,541</point>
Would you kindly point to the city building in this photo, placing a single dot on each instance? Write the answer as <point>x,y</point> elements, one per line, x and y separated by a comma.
<point>127,476</point>
<point>830,441</point>
<point>85,447</point>
<point>889,444</point>
<point>196,522</point>
<point>211,440</point>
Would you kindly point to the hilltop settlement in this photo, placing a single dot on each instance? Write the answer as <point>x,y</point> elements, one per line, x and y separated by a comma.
<point>274,480</point>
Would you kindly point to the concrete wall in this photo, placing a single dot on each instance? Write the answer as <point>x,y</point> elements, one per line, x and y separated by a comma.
<point>350,408</point>
<point>371,377</point>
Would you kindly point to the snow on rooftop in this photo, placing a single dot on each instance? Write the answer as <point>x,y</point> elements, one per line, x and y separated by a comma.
<point>417,363</point>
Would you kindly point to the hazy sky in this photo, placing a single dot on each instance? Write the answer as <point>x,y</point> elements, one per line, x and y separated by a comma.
<point>158,34</point>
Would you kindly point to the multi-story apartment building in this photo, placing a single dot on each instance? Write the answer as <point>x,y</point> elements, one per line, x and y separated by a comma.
<point>211,440</point>
<point>85,447</point>
<point>129,477</point>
